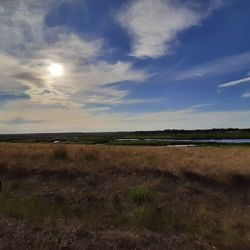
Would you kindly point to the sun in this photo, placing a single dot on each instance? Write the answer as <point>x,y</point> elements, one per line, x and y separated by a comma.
<point>56,69</point>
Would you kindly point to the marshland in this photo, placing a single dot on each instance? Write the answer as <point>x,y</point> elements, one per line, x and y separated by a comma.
<point>58,196</point>
<point>124,125</point>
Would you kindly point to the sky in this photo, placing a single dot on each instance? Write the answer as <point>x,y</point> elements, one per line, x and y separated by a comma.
<point>105,65</point>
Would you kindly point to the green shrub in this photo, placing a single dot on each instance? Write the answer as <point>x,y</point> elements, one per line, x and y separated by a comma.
<point>60,153</point>
<point>140,195</point>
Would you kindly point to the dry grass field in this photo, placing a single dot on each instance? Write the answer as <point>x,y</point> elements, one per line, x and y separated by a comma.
<point>111,197</point>
<point>220,163</point>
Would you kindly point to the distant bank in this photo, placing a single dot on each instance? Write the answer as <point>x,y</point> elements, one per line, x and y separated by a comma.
<point>158,138</point>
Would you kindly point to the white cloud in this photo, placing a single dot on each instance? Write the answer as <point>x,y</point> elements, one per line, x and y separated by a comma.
<point>155,24</point>
<point>233,83</point>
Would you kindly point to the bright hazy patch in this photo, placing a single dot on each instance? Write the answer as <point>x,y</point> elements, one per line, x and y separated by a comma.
<point>56,69</point>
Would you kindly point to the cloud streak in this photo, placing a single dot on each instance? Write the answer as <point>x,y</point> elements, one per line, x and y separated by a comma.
<point>246,95</point>
<point>233,83</point>
<point>20,121</point>
<point>221,66</point>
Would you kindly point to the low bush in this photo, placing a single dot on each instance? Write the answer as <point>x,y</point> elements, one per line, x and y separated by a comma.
<point>140,195</point>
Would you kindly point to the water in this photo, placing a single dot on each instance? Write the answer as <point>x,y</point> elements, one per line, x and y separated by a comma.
<point>127,139</point>
<point>236,141</point>
<point>223,141</point>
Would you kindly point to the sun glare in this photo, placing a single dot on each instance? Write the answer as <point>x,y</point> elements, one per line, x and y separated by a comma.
<point>56,69</point>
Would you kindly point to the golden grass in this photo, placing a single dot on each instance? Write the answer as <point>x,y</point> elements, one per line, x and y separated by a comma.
<point>217,162</point>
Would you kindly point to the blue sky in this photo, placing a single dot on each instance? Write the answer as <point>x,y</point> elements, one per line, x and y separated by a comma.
<point>124,65</point>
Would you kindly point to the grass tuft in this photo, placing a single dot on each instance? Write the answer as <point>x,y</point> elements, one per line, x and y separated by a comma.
<point>91,180</point>
<point>60,153</point>
<point>140,195</point>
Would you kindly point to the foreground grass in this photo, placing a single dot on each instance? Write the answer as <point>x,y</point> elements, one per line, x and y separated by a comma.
<point>223,164</point>
<point>90,197</point>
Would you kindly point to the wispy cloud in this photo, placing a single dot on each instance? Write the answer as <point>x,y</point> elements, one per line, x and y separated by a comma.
<point>200,106</point>
<point>191,119</point>
<point>233,83</point>
<point>246,95</point>
<point>155,24</point>
<point>221,66</point>
<point>20,121</point>
<point>28,47</point>
<point>33,100</point>
<point>81,120</point>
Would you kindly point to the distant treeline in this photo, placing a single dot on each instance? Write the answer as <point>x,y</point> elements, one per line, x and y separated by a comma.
<point>183,131</point>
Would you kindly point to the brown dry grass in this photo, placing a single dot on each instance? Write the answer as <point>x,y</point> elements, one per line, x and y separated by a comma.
<point>124,197</point>
<point>220,163</point>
